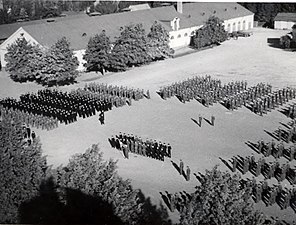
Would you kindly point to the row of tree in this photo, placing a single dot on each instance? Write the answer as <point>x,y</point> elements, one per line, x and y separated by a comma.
<point>266,12</point>
<point>54,66</point>
<point>132,48</point>
<point>15,10</point>
<point>89,190</point>
<point>212,33</point>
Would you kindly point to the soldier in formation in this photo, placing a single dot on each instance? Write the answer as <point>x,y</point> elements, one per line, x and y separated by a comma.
<point>134,144</point>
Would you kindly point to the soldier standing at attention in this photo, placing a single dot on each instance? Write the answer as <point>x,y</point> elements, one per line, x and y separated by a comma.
<point>188,173</point>
<point>213,120</point>
<point>181,167</point>
<point>199,119</point>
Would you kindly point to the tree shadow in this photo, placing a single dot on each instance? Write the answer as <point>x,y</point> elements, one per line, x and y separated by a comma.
<point>55,205</point>
<point>66,206</point>
<point>271,134</point>
<point>152,214</point>
<point>209,122</point>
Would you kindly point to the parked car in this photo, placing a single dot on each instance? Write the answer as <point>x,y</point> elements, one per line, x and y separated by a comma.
<point>244,33</point>
<point>232,35</point>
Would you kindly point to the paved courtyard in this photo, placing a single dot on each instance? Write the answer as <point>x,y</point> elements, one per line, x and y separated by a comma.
<point>170,121</point>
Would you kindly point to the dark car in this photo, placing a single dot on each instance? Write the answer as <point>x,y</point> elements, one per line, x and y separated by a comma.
<point>243,33</point>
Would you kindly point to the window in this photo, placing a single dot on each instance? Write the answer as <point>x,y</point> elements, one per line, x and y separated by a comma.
<point>239,26</point>
<point>179,35</point>
<point>244,25</point>
<point>172,37</point>
<point>229,27</point>
<point>192,33</point>
<point>233,27</point>
<point>185,35</point>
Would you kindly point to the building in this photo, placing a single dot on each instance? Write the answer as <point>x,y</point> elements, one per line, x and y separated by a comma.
<point>181,23</point>
<point>284,21</point>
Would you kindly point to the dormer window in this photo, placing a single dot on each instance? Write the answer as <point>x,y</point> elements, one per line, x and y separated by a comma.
<point>175,23</point>
<point>22,34</point>
<point>84,34</point>
<point>214,11</point>
<point>225,10</point>
<point>203,13</point>
<point>235,8</point>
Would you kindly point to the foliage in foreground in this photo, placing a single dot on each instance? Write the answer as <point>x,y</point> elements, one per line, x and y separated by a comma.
<point>22,169</point>
<point>220,199</point>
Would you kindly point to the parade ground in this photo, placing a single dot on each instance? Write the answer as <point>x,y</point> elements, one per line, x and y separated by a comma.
<point>171,121</point>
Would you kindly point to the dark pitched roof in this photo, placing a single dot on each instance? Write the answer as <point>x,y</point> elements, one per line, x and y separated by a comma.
<point>48,33</point>
<point>8,29</point>
<point>291,17</point>
<point>201,11</point>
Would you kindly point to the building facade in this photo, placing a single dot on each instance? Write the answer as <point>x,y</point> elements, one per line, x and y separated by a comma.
<point>181,24</point>
<point>284,21</point>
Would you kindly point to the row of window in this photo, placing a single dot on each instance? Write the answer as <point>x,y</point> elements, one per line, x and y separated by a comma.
<point>179,35</point>
<point>238,28</point>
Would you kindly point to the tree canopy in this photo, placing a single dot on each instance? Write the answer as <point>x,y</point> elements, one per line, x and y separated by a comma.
<point>220,199</point>
<point>213,32</point>
<point>22,169</point>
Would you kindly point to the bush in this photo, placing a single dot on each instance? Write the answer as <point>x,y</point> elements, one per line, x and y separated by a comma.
<point>212,32</point>
<point>22,169</point>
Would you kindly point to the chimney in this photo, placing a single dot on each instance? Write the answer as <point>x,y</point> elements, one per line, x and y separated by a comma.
<point>179,6</point>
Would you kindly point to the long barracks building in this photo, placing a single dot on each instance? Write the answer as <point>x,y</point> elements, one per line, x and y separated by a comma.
<point>181,23</point>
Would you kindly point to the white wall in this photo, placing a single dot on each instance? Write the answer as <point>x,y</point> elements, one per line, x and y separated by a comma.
<point>18,34</point>
<point>240,23</point>
<point>79,54</point>
<point>283,25</point>
<point>182,37</point>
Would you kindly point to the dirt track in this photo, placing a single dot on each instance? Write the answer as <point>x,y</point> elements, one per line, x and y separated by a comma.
<point>170,121</point>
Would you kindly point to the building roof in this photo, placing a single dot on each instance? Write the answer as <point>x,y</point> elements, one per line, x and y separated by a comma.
<point>6,30</point>
<point>79,30</point>
<point>290,17</point>
<point>201,11</point>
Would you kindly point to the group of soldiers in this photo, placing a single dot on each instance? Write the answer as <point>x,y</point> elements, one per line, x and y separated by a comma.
<point>202,88</point>
<point>259,98</point>
<point>30,119</point>
<point>47,107</point>
<point>129,143</point>
<point>267,169</point>
<point>28,135</point>
<point>270,195</point>
<point>117,93</point>
<point>290,111</point>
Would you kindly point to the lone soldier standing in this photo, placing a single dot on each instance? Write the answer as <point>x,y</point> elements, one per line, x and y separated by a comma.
<point>188,173</point>
<point>213,120</point>
<point>199,119</point>
<point>102,117</point>
<point>181,167</point>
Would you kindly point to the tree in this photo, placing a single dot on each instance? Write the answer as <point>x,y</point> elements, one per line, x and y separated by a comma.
<point>59,65</point>
<point>130,48</point>
<point>22,169</point>
<point>93,176</point>
<point>220,199</point>
<point>158,42</point>
<point>213,32</point>
<point>18,57</point>
<point>106,7</point>
<point>97,53</point>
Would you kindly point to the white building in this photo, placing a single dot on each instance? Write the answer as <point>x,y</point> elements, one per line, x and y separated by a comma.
<point>181,23</point>
<point>284,21</point>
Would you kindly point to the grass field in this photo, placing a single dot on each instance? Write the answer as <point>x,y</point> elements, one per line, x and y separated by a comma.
<point>170,121</point>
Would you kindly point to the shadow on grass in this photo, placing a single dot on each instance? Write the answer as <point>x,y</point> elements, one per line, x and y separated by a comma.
<point>72,206</point>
